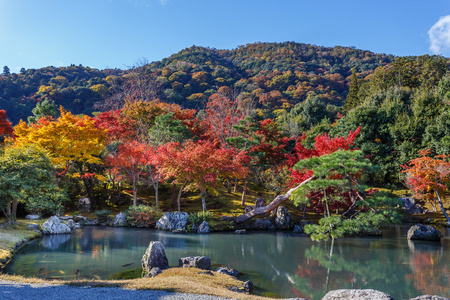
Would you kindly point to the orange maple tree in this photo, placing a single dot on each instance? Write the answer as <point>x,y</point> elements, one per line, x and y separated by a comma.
<point>199,164</point>
<point>427,177</point>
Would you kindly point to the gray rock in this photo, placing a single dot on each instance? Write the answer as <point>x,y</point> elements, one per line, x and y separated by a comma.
<point>173,221</point>
<point>154,272</point>
<point>194,228</point>
<point>226,218</point>
<point>264,224</point>
<point>84,204</point>
<point>248,286</point>
<point>429,297</point>
<point>240,231</point>
<point>203,228</point>
<point>200,262</point>
<point>120,220</point>
<point>72,225</point>
<point>228,271</point>
<point>179,230</point>
<point>260,202</point>
<point>155,256</point>
<point>91,222</point>
<point>79,219</point>
<point>424,232</point>
<point>298,229</point>
<point>283,219</point>
<point>410,206</point>
<point>32,217</point>
<point>368,294</point>
<point>54,226</point>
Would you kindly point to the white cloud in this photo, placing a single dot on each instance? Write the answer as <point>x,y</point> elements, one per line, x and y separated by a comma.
<point>163,2</point>
<point>439,35</point>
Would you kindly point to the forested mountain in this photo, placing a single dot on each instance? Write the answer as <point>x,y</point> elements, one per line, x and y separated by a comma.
<point>275,75</point>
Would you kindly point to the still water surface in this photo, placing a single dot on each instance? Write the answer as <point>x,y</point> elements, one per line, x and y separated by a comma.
<point>279,264</point>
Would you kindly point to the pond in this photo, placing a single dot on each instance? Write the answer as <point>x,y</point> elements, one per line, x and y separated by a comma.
<point>279,264</point>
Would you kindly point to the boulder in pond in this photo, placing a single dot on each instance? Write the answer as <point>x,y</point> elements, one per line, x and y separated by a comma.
<point>203,228</point>
<point>424,233</point>
<point>367,294</point>
<point>429,297</point>
<point>54,226</point>
<point>173,221</point>
<point>199,262</point>
<point>154,256</point>
<point>283,219</point>
<point>228,271</point>
<point>120,220</point>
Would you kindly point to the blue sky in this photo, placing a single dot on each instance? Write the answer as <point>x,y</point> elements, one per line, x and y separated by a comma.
<point>118,33</point>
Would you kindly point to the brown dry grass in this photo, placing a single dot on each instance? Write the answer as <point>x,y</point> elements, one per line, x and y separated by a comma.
<point>182,280</point>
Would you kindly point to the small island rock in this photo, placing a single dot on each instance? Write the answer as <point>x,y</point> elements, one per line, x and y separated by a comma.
<point>283,219</point>
<point>54,226</point>
<point>155,256</point>
<point>173,221</point>
<point>204,228</point>
<point>200,262</point>
<point>228,271</point>
<point>367,294</point>
<point>424,232</point>
<point>120,220</point>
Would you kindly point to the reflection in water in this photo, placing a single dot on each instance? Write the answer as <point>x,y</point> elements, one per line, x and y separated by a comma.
<point>427,260</point>
<point>279,264</point>
<point>54,241</point>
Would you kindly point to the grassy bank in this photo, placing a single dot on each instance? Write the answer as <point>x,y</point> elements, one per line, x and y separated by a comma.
<point>182,280</point>
<point>14,235</point>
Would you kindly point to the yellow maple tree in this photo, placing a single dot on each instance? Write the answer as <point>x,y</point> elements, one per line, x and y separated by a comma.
<point>67,140</point>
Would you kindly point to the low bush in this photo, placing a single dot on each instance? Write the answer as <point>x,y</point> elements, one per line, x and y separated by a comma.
<point>199,217</point>
<point>143,216</point>
<point>103,215</point>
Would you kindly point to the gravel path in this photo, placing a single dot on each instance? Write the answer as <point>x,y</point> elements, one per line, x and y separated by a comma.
<point>14,291</point>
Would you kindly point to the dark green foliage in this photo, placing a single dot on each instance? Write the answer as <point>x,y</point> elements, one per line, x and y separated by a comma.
<point>26,176</point>
<point>338,179</point>
<point>45,108</point>
<point>352,99</point>
<point>167,129</point>
<point>103,215</point>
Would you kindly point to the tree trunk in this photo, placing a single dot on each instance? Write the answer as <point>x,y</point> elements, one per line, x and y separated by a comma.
<point>228,186</point>
<point>157,194</point>
<point>235,185</point>
<point>203,194</point>
<point>179,196</point>
<point>272,205</point>
<point>174,194</point>
<point>442,207</point>
<point>244,193</point>
<point>134,193</point>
